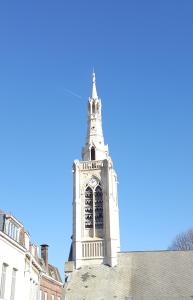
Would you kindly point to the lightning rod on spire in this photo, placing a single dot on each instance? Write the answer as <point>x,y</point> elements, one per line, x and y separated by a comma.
<point>94,90</point>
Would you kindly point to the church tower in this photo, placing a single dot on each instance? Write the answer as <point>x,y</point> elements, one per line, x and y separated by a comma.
<point>96,237</point>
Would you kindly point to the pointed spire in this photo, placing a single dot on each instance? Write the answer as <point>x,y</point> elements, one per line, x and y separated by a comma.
<point>94,91</point>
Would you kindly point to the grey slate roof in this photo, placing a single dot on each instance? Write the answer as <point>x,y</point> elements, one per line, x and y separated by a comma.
<point>156,275</point>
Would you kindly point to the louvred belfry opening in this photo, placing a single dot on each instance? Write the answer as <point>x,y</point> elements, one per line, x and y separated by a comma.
<point>98,208</point>
<point>88,208</point>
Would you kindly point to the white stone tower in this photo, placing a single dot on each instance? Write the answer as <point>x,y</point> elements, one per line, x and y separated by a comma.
<point>96,237</point>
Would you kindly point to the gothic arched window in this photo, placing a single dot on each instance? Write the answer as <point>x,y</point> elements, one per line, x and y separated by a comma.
<point>88,208</point>
<point>98,208</point>
<point>92,152</point>
<point>97,107</point>
<point>93,108</point>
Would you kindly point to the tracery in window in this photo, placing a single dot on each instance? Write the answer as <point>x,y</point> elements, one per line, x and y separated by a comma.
<point>98,208</point>
<point>88,208</point>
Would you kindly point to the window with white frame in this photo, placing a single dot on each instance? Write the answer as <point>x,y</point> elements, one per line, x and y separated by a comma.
<point>36,291</point>
<point>52,297</point>
<point>31,289</point>
<point>3,280</point>
<point>45,296</point>
<point>14,271</point>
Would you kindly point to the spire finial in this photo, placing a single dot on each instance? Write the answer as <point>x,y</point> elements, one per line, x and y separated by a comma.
<point>94,91</point>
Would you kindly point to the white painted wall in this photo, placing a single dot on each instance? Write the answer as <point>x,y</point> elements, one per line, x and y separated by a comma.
<point>14,256</point>
<point>32,279</point>
<point>27,275</point>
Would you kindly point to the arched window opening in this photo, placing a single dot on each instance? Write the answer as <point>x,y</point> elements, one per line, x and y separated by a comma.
<point>93,108</point>
<point>88,208</point>
<point>98,208</point>
<point>93,157</point>
<point>97,107</point>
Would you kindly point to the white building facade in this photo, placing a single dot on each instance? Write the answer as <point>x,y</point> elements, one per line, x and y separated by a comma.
<point>96,237</point>
<point>19,267</point>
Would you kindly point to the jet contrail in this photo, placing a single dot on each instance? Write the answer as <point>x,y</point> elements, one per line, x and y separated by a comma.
<point>72,93</point>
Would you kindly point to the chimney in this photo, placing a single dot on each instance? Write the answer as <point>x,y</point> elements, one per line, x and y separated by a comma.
<point>44,255</point>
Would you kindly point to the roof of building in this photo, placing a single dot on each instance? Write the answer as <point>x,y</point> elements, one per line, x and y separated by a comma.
<point>153,275</point>
<point>52,271</point>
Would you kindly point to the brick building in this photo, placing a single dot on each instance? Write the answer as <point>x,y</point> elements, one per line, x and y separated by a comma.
<point>20,269</point>
<point>51,286</point>
<point>23,274</point>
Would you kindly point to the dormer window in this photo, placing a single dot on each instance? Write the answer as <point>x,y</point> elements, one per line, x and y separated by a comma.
<point>12,230</point>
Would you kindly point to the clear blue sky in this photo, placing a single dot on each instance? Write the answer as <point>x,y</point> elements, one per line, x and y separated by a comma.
<point>142,52</point>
